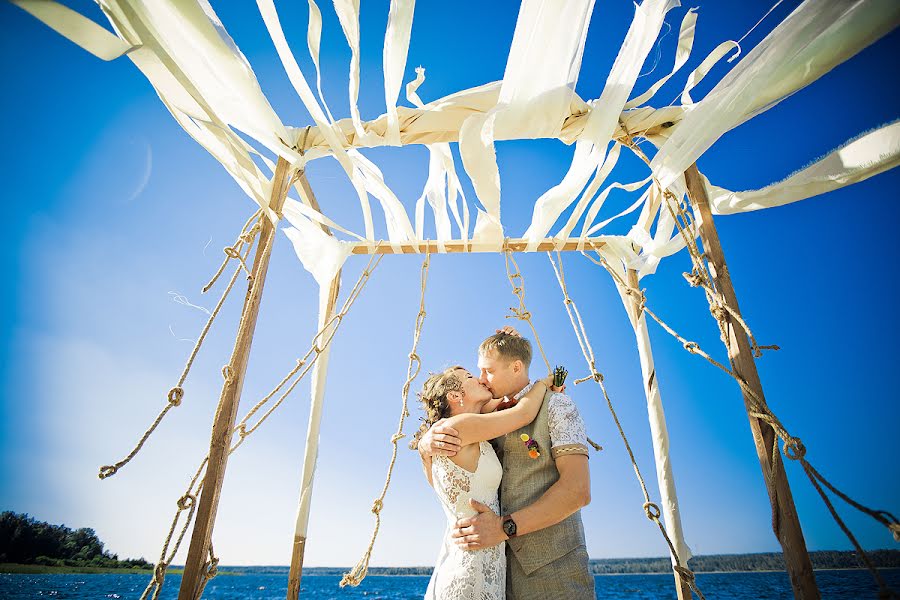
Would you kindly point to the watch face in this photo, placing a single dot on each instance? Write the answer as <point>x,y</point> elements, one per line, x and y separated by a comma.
<point>509,527</point>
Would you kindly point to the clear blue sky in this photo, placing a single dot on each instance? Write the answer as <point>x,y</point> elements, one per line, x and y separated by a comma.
<point>110,206</point>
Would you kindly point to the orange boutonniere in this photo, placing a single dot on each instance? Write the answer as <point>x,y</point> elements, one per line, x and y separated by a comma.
<point>531,445</point>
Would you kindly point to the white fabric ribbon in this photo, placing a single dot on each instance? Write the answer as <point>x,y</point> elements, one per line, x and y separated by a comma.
<point>816,37</point>
<point>321,254</point>
<point>541,71</point>
<point>76,28</point>
<point>396,49</point>
<point>682,53</point>
<point>590,149</point>
<point>855,161</point>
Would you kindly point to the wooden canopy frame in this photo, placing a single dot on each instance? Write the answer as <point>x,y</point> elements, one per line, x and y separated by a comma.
<point>786,524</point>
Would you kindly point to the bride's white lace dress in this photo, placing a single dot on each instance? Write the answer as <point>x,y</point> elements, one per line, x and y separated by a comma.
<point>467,574</point>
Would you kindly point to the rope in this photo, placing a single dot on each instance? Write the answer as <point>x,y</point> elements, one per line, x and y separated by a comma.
<point>188,500</point>
<point>233,251</point>
<point>176,394</point>
<point>358,573</point>
<point>793,447</point>
<point>518,288</point>
<point>700,276</point>
<point>651,509</point>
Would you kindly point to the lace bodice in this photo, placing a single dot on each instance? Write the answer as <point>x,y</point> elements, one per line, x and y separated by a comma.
<point>467,574</point>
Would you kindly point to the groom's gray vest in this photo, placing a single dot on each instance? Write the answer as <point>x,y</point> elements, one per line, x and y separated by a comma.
<point>525,479</point>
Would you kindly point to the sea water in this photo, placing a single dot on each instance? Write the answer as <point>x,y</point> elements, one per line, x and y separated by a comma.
<point>834,585</point>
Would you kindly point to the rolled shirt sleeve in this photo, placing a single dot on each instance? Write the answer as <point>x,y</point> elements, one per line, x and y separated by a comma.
<point>567,431</point>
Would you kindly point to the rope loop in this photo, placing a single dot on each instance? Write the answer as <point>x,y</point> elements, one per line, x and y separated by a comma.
<point>159,573</point>
<point>719,314</point>
<point>895,530</point>
<point>242,430</point>
<point>231,252</point>
<point>377,506</point>
<point>228,373</point>
<point>652,511</point>
<point>186,501</point>
<point>693,278</point>
<point>107,471</point>
<point>794,448</point>
<point>685,573</point>
<point>251,233</point>
<point>398,436</point>
<point>212,568</point>
<point>692,347</point>
<point>175,396</point>
<point>415,357</point>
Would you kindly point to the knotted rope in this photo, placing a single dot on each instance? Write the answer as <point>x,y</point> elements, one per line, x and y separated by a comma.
<point>234,250</point>
<point>793,447</point>
<point>651,509</point>
<point>176,394</point>
<point>358,573</point>
<point>722,313</point>
<point>187,502</point>
<point>517,281</point>
<point>518,289</point>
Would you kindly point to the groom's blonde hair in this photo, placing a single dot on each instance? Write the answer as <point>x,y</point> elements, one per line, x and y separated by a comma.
<point>508,347</point>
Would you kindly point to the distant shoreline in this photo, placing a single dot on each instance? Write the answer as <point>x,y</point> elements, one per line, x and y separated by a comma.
<point>17,569</point>
<point>762,562</point>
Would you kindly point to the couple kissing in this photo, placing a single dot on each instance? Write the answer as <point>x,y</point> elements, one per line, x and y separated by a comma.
<point>508,460</point>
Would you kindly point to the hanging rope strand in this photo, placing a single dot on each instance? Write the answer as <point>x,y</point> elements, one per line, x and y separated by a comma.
<point>522,313</point>
<point>176,394</point>
<point>651,509</point>
<point>793,448</point>
<point>233,251</point>
<point>518,288</point>
<point>358,573</point>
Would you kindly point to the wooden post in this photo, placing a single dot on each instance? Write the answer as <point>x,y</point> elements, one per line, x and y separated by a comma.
<point>226,412</point>
<point>298,549</point>
<point>651,385</point>
<point>785,523</point>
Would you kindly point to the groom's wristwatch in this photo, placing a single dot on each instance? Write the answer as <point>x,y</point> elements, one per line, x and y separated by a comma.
<point>509,526</point>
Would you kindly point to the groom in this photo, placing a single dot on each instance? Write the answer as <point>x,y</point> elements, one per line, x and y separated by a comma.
<point>540,495</point>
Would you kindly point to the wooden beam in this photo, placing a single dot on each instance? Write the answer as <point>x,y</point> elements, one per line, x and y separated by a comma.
<point>785,522</point>
<point>457,246</point>
<point>298,550</point>
<point>226,412</point>
<point>440,122</point>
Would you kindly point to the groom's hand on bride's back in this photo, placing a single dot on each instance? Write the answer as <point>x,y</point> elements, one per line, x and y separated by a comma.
<point>440,440</point>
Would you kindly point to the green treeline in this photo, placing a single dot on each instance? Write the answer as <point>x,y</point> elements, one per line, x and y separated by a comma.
<point>24,540</point>
<point>713,563</point>
<point>767,561</point>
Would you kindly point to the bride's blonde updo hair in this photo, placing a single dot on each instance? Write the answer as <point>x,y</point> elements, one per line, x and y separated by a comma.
<point>434,399</point>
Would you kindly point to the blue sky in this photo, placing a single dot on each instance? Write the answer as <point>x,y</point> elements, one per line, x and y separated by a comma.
<point>110,206</point>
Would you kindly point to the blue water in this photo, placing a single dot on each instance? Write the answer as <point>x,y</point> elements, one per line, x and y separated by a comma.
<point>835,585</point>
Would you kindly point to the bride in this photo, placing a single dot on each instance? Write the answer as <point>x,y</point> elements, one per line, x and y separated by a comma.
<point>472,474</point>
